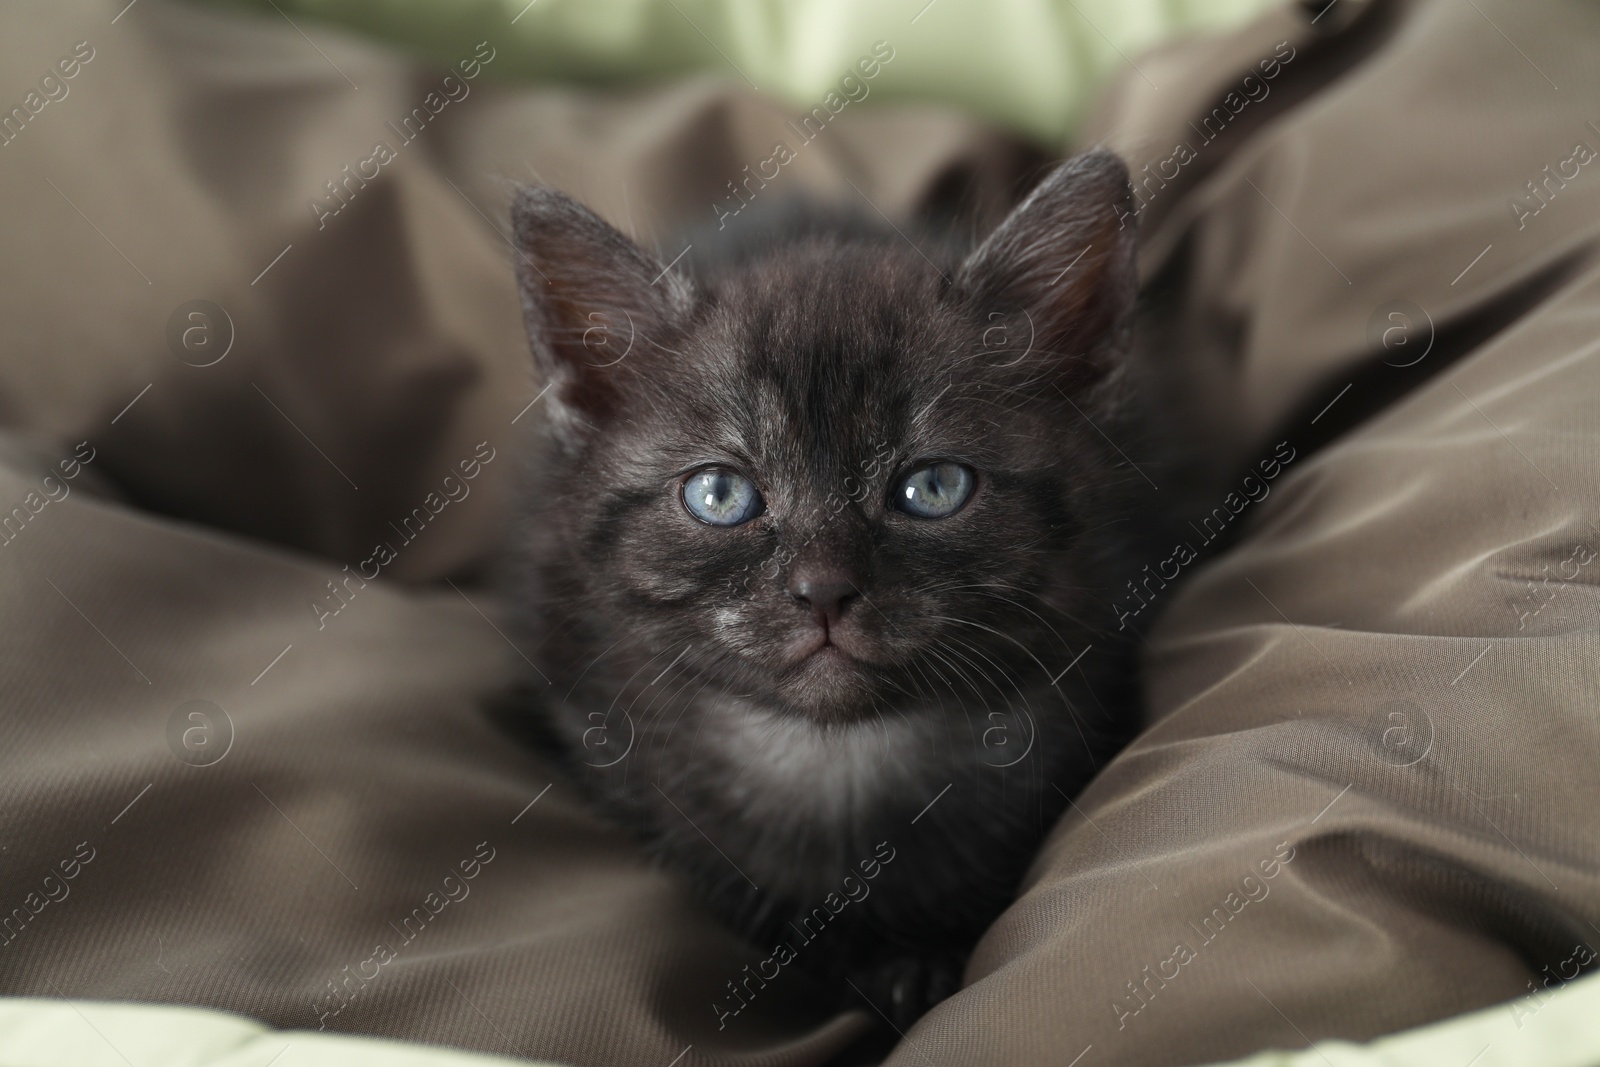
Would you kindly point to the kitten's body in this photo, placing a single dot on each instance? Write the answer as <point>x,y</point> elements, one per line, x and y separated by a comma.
<point>954,701</point>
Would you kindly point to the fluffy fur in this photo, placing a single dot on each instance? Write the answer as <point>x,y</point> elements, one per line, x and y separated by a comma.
<point>823,365</point>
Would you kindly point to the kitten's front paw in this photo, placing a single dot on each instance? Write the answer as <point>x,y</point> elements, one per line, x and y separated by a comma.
<point>904,988</point>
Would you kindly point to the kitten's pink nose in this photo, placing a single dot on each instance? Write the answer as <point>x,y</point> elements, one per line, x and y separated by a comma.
<point>825,592</point>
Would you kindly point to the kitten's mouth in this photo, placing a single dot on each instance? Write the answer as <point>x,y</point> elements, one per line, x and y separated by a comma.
<point>826,652</point>
<point>822,649</point>
<point>826,675</point>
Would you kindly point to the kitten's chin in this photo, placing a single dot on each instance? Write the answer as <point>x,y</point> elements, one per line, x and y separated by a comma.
<point>829,685</point>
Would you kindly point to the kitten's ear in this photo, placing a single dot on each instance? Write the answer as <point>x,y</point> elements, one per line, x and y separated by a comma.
<point>1060,269</point>
<point>590,300</point>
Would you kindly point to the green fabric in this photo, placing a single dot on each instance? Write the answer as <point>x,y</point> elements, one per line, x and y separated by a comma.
<point>39,1032</point>
<point>1555,1028</point>
<point>1030,65</point>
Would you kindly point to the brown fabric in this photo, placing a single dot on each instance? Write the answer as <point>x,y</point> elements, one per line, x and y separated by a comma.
<point>1394,673</point>
<point>1419,557</point>
<point>218,504</point>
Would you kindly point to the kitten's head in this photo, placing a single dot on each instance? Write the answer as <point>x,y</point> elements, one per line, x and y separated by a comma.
<point>842,479</point>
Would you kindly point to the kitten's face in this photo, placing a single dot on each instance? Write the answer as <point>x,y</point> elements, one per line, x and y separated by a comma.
<point>842,482</point>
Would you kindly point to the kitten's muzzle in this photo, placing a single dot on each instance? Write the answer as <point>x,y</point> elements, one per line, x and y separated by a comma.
<point>826,593</point>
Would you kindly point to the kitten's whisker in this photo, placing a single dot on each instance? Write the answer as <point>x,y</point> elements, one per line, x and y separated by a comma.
<point>623,688</point>
<point>978,692</point>
<point>990,660</point>
<point>987,590</point>
<point>1069,617</point>
<point>933,654</point>
<point>1072,712</point>
<point>1004,699</point>
<point>962,706</point>
<point>652,718</point>
<point>576,681</point>
<point>980,663</point>
<point>687,704</point>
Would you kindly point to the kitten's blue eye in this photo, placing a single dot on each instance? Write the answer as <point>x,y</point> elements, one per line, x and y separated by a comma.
<point>935,491</point>
<point>721,498</point>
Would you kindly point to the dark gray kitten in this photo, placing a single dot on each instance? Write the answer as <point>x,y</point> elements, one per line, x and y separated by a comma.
<point>809,557</point>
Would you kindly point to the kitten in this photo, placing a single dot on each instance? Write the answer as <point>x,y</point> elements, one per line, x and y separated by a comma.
<point>815,550</point>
